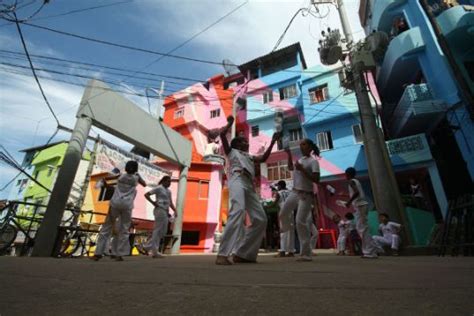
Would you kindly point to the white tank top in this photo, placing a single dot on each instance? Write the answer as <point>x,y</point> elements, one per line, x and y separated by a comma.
<point>360,200</point>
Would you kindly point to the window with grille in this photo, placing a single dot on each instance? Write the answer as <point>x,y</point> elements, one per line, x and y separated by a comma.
<point>319,94</point>
<point>215,113</point>
<point>357,132</point>
<point>295,134</point>
<point>255,130</point>
<point>268,97</point>
<point>324,140</point>
<point>178,113</point>
<point>278,171</point>
<point>288,92</point>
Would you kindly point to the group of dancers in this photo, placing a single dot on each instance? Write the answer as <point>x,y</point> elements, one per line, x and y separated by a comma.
<point>240,242</point>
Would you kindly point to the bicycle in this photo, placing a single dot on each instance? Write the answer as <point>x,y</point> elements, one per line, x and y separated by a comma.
<point>77,239</point>
<point>12,224</point>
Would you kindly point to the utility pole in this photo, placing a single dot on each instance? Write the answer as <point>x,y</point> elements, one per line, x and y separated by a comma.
<point>382,178</point>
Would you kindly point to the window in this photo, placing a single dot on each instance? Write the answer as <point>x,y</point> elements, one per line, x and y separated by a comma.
<point>268,97</point>
<point>278,171</point>
<point>288,92</point>
<point>179,113</point>
<point>106,193</point>
<point>215,113</point>
<point>357,131</point>
<point>50,170</point>
<point>296,134</point>
<point>324,140</point>
<point>255,130</point>
<point>319,94</point>
<point>203,190</point>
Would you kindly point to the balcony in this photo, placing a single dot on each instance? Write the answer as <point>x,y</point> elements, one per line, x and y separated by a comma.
<point>412,149</point>
<point>384,12</point>
<point>417,111</point>
<point>457,25</point>
<point>400,62</point>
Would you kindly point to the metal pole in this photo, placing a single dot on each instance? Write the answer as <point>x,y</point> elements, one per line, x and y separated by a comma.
<point>386,193</point>
<point>346,26</point>
<point>48,231</point>
<point>178,224</point>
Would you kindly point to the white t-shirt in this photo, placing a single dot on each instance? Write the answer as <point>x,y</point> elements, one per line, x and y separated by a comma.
<point>162,196</point>
<point>300,181</point>
<point>240,161</point>
<point>389,229</point>
<point>125,191</point>
<point>360,200</point>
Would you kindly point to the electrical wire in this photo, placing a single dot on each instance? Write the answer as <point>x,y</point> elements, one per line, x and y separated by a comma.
<point>192,37</point>
<point>33,68</point>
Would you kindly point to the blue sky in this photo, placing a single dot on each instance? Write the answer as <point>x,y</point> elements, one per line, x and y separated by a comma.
<point>158,25</point>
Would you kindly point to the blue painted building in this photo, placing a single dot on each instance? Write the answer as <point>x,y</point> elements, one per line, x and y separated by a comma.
<point>417,83</point>
<point>315,105</point>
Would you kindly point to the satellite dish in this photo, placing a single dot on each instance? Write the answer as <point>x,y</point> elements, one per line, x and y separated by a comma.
<point>229,67</point>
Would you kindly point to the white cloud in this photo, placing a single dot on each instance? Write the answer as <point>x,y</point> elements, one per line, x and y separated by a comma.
<point>250,32</point>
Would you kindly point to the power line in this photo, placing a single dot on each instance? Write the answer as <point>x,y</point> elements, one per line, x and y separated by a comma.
<point>143,50</point>
<point>33,68</point>
<point>106,67</point>
<point>69,12</point>
<point>194,36</point>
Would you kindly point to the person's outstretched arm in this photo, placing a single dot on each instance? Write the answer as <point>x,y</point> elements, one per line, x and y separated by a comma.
<point>266,154</point>
<point>223,134</point>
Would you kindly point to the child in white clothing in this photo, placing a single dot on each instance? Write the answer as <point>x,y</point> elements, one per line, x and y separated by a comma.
<point>343,227</point>
<point>162,204</point>
<point>390,234</point>
<point>243,199</point>
<point>306,173</point>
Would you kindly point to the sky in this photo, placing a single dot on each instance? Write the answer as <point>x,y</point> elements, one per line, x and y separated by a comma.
<point>250,31</point>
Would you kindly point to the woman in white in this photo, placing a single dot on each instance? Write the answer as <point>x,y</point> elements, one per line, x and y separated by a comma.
<point>306,172</point>
<point>121,206</point>
<point>360,204</point>
<point>244,240</point>
<point>162,204</point>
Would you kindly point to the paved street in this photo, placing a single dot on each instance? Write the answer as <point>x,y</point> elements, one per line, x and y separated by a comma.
<point>194,285</point>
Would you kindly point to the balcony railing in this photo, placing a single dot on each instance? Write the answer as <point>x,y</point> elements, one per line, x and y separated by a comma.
<point>420,99</point>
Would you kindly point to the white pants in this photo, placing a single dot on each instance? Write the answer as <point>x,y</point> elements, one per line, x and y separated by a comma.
<point>159,230</point>
<point>341,243</point>
<point>368,245</point>
<point>287,241</point>
<point>314,232</point>
<point>392,240</point>
<point>245,240</point>
<point>303,203</point>
<point>121,242</point>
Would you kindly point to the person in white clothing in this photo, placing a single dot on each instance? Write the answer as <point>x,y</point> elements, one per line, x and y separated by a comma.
<point>243,197</point>
<point>343,227</point>
<point>306,172</point>
<point>287,239</point>
<point>162,204</point>
<point>390,232</point>
<point>360,204</point>
<point>121,206</point>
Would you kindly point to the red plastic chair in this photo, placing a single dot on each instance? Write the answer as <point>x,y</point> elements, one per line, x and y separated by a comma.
<point>331,233</point>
